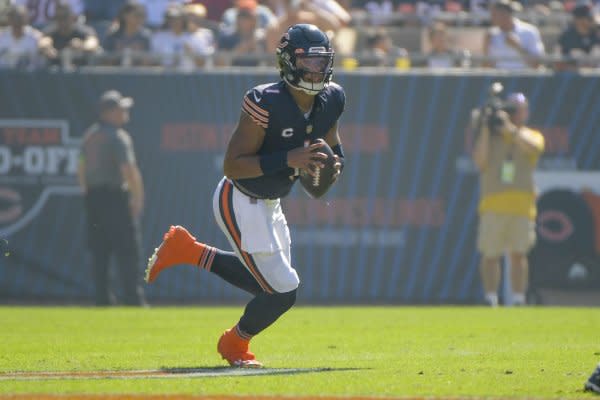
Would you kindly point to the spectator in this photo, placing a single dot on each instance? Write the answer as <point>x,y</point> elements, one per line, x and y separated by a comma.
<point>440,55</point>
<point>338,8</point>
<point>511,43</point>
<point>247,41</point>
<point>506,153</point>
<point>214,8</point>
<point>105,10</point>
<point>41,12</point>
<point>265,16</point>
<point>129,35</point>
<point>380,11</point>
<point>376,50</point>
<point>156,10</point>
<point>333,8</point>
<point>67,33</point>
<point>380,51</point>
<point>207,20</point>
<point>478,8</point>
<point>168,44</point>
<point>581,38</point>
<point>200,43</point>
<point>300,12</point>
<point>429,10</point>
<point>114,199</point>
<point>275,6</point>
<point>20,44</point>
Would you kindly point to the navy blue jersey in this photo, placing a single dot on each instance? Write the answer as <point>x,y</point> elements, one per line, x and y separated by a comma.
<point>273,108</point>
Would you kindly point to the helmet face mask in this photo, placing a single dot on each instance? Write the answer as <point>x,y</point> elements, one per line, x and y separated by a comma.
<point>305,58</point>
<point>314,72</point>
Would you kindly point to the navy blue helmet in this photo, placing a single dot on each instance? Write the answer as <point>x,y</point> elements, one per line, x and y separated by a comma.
<point>305,58</point>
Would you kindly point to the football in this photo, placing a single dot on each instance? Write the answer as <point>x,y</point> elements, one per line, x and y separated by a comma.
<point>317,185</point>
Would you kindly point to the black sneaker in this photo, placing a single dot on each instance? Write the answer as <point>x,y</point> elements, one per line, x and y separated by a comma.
<point>593,382</point>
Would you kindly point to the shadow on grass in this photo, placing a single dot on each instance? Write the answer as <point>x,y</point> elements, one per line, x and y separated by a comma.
<point>226,371</point>
<point>164,373</point>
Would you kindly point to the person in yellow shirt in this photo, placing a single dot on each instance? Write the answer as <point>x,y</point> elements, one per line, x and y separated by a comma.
<point>506,157</point>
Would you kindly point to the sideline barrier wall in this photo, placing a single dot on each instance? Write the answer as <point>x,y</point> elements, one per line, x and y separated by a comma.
<point>399,226</point>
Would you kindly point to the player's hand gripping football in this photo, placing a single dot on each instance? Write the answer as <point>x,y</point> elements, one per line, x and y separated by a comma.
<point>307,158</point>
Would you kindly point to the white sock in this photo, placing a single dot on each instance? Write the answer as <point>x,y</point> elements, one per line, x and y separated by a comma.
<point>492,298</point>
<point>518,298</point>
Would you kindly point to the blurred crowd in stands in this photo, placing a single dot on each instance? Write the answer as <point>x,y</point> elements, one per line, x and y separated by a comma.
<point>188,35</point>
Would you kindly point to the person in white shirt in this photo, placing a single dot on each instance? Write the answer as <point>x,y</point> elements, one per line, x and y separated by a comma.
<point>19,42</point>
<point>511,43</point>
<point>42,12</point>
<point>334,8</point>
<point>156,9</point>
<point>169,44</point>
<point>200,45</point>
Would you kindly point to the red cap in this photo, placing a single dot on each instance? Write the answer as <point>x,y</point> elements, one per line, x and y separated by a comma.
<point>249,5</point>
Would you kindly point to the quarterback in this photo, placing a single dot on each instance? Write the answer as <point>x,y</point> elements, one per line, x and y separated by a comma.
<point>281,128</point>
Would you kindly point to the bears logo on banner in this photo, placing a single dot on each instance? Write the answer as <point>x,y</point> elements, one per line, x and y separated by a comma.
<point>567,252</point>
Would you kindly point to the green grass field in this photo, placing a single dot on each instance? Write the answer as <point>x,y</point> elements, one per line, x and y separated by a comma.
<point>372,351</point>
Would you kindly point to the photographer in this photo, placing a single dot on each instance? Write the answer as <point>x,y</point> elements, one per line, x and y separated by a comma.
<point>506,153</point>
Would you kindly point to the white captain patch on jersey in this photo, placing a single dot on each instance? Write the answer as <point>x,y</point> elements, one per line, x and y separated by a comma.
<point>287,132</point>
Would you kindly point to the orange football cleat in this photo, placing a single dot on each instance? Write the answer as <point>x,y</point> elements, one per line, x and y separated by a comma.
<point>178,247</point>
<point>236,351</point>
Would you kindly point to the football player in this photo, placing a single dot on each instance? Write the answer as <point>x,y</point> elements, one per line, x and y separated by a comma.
<point>272,143</point>
<point>593,382</point>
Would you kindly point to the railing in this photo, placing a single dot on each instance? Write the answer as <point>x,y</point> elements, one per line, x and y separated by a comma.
<point>70,60</point>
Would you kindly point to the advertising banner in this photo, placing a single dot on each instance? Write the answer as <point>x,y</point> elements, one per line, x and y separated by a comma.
<point>398,227</point>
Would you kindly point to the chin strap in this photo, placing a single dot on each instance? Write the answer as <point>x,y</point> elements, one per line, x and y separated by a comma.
<point>312,92</point>
<point>303,85</point>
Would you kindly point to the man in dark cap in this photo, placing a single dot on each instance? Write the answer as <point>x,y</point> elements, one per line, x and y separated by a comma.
<point>580,39</point>
<point>66,32</point>
<point>114,199</point>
